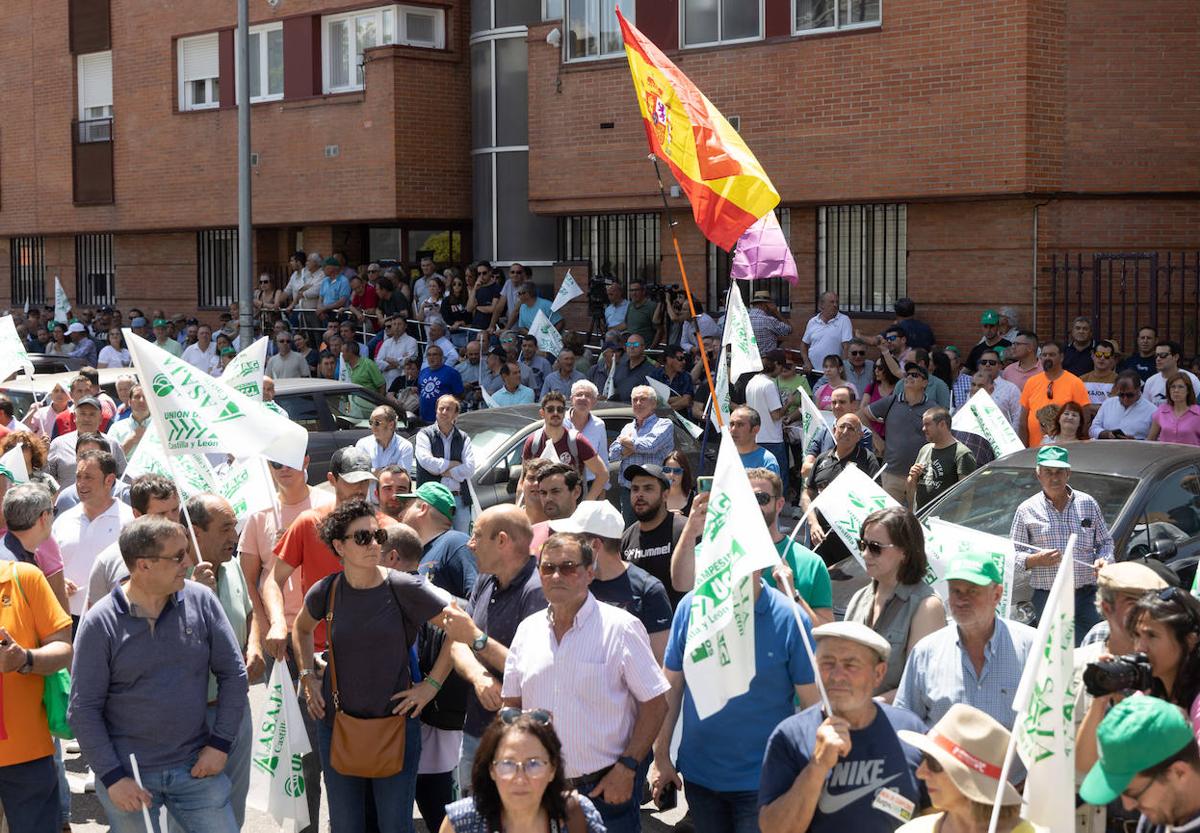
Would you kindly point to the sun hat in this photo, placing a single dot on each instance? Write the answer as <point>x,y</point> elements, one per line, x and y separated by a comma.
<point>970,746</point>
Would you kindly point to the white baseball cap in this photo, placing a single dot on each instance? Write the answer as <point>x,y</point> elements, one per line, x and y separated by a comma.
<point>76,327</point>
<point>593,517</point>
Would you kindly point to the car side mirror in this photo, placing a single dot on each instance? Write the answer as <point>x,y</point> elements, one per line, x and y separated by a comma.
<point>499,474</point>
<point>1164,550</point>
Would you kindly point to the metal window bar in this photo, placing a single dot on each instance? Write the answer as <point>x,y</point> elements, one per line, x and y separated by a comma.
<point>27,262</point>
<point>95,277</point>
<point>620,247</point>
<point>93,130</point>
<point>862,254</point>
<point>720,262</point>
<point>216,267</point>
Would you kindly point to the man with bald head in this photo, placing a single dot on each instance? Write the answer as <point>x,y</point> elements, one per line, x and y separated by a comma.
<point>509,589</point>
<point>847,448</point>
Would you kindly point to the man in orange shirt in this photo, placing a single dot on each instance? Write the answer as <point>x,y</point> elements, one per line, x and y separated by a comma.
<point>1053,387</point>
<point>35,641</point>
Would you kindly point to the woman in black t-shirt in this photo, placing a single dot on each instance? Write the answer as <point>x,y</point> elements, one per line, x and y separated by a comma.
<point>454,310</point>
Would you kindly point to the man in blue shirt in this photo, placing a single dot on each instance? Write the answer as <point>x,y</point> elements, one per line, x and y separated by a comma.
<point>720,756</point>
<point>744,423</point>
<point>334,289</point>
<point>673,374</point>
<point>434,381</point>
<point>530,305</point>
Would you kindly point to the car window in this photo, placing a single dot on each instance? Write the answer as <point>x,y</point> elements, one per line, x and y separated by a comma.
<point>351,410</point>
<point>301,409</point>
<point>22,401</point>
<point>486,442</point>
<point>988,500</point>
<point>1172,511</point>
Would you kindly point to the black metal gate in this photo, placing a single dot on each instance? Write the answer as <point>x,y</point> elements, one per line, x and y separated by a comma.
<point>1123,291</point>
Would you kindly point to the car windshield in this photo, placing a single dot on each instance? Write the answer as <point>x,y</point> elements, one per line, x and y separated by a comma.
<point>988,501</point>
<point>486,441</point>
<point>22,401</point>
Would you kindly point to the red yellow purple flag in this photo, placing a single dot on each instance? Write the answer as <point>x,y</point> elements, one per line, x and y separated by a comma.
<point>728,189</point>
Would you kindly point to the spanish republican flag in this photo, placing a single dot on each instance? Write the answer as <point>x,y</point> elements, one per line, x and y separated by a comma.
<point>728,189</point>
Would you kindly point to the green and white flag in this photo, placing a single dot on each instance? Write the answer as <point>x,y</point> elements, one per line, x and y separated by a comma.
<point>62,306</point>
<point>245,373</point>
<point>191,473</point>
<point>722,388</point>
<point>277,784</point>
<point>739,335</point>
<point>248,487</point>
<point>980,415</point>
<point>847,501</point>
<point>343,370</point>
<point>661,388</point>
<point>12,465</point>
<point>13,355</point>
<point>945,541</point>
<point>568,292</point>
<point>607,393</point>
<point>815,424</point>
<point>692,428</point>
<point>548,339</point>
<point>197,414</point>
<point>718,654</point>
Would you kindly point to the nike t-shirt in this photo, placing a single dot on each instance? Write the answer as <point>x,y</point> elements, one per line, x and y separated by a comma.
<point>878,760</point>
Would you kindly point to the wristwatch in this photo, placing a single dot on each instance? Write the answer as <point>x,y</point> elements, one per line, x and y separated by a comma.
<point>28,666</point>
<point>629,762</point>
<point>307,672</point>
<point>478,643</point>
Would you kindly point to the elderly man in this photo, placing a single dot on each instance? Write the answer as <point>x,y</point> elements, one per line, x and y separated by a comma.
<point>83,348</point>
<point>140,685</point>
<point>1045,522</point>
<point>823,773</point>
<point>842,401</point>
<point>581,420</point>
<point>633,370</point>
<point>978,661</point>
<point>646,440</point>
<point>471,370</point>
<point>396,346</point>
<point>446,561</point>
<point>859,370</point>
<point>436,380</point>
<point>614,311</point>
<point>561,380</point>
<point>827,333</point>
<point>203,354</point>
<point>570,448</point>
<point>744,425</point>
<point>436,332</point>
<point>1125,415</point>
<point>60,461</point>
<point>333,291</point>
<point>591,666</point>
<point>941,462</point>
<point>513,391</point>
<point>286,363</point>
<point>444,454</point>
<point>901,414</point>
<point>162,338</point>
<point>384,446</point>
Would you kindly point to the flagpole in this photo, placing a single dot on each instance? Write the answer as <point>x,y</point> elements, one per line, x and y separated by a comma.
<point>712,389</point>
<point>808,648</point>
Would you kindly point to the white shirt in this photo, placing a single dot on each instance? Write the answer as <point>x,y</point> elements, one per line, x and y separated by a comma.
<point>421,291</point>
<point>398,452</point>
<point>112,357</point>
<point>1133,421</point>
<point>1155,391</point>
<point>81,539</point>
<point>596,434</point>
<point>825,338</point>
<point>762,395</point>
<point>428,459</point>
<point>398,349</point>
<point>205,360</point>
<point>1007,397</point>
<point>448,351</point>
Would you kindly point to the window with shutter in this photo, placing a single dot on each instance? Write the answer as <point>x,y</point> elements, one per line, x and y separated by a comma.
<point>94,80</point>
<point>199,68</point>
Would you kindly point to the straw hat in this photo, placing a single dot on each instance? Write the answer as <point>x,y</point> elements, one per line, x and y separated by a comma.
<point>970,746</point>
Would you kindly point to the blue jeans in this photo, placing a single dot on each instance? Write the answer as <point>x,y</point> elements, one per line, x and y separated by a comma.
<point>237,768</point>
<point>465,759</point>
<point>29,793</point>
<point>394,796</point>
<point>198,805</point>
<point>625,817</point>
<point>722,812</point>
<point>64,788</point>
<point>1086,615</point>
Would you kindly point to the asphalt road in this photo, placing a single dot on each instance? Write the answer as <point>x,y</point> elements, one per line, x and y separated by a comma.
<point>87,816</point>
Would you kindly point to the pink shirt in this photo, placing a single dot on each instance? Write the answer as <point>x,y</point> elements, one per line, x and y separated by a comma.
<point>591,681</point>
<point>260,535</point>
<point>1184,429</point>
<point>47,555</point>
<point>1019,377</point>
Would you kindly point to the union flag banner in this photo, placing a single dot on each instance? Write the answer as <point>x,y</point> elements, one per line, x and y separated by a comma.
<point>728,189</point>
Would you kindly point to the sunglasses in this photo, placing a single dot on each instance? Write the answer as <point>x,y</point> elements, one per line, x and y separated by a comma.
<point>889,338</point>
<point>509,714</point>
<point>988,361</point>
<point>1129,394</point>
<point>874,547</point>
<point>555,409</point>
<point>566,569</point>
<point>931,763</point>
<point>633,344</point>
<point>375,423</point>
<point>858,352</point>
<point>672,470</point>
<point>363,537</point>
<point>1163,355</point>
<point>277,466</point>
<point>914,375</point>
<point>763,498</point>
<point>178,559</point>
<point>1105,355</point>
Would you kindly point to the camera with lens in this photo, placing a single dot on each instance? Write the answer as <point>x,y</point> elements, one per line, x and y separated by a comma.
<point>1126,673</point>
<point>597,295</point>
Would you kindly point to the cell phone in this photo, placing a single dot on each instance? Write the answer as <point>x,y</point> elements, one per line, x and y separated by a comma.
<point>668,798</point>
<point>704,484</point>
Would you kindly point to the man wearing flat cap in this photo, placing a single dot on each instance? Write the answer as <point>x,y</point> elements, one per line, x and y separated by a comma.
<point>849,771</point>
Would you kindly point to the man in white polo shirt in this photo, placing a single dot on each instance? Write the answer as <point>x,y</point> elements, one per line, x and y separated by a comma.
<point>826,334</point>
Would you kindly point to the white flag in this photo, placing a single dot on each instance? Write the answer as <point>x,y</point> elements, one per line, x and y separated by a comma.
<point>548,339</point>
<point>663,390</point>
<point>13,355</point>
<point>739,335</point>
<point>723,401</point>
<point>192,474</point>
<point>815,424</point>
<point>277,784</point>
<point>612,379</point>
<point>343,370</point>
<point>847,501</point>
<point>980,415</point>
<point>692,428</point>
<point>248,487</point>
<point>1045,730</point>
<point>62,306</point>
<point>549,452</point>
<point>12,465</point>
<point>487,398</point>
<point>197,414</point>
<point>245,373</point>
<point>718,654</point>
<point>566,293</point>
<point>945,541</point>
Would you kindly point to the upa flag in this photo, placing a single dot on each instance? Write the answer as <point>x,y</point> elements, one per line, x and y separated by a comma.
<point>726,186</point>
<point>548,339</point>
<point>12,465</point>
<point>197,414</point>
<point>62,306</point>
<point>847,501</point>
<point>815,425</point>
<point>718,653</point>
<point>13,355</point>
<point>277,784</point>
<point>245,373</point>
<point>568,292</point>
<point>1045,700</point>
<point>945,541</point>
<point>982,416</point>
<point>739,335</point>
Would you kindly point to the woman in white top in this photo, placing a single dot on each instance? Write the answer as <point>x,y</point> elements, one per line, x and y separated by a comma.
<point>114,353</point>
<point>58,345</point>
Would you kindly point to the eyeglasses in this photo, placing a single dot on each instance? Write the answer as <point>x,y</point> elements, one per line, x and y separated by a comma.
<point>763,498</point>
<point>555,409</point>
<point>363,537</point>
<point>874,547</point>
<point>931,763</point>
<point>672,470</point>
<point>178,559</point>
<point>509,714</point>
<point>1136,796</point>
<point>507,768</point>
<point>375,423</point>
<point>988,361</point>
<point>858,352</point>
<point>566,568</point>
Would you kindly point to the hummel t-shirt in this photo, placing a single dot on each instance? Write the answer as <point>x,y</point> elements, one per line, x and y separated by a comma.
<point>639,593</point>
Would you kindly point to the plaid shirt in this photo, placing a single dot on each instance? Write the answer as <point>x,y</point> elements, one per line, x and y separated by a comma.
<point>653,440</point>
<point>960,391</point>
<point>1039,525</point>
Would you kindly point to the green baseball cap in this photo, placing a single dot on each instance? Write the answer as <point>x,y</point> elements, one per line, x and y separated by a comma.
<point>977,569</point>
<point>1138,733</point>
<point>1053,457</point>
<point>160,322</point>
<point>436,495</point>
<point>990,316</point>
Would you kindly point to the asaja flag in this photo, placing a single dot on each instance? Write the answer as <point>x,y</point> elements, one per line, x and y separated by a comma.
<point>980,415</point>
<point>663,390</point>
<point>245,373</point>
<point>197,414</point>
<point>277,784</point>
<point>726,186</point>
<point>847,501</point>
<point>191,473</point>
<point>718,654</point>
<point>248,487</point>
<point>548,339</point>
<point>62,306</point>
<point>12,465</point>
<point>1045,700</point>
<point>568,292</point>
<point>13,355</point>
<point>815,425</point>
<point>739,335</point>
<point>945,541</point>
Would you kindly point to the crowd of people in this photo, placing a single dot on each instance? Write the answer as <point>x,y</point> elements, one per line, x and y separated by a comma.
<point>521,668</point>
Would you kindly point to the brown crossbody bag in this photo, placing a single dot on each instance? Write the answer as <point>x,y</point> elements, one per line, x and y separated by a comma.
<point>362,747</point>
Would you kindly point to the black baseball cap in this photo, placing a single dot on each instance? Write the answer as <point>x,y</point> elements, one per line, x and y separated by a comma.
<point>647,470</point>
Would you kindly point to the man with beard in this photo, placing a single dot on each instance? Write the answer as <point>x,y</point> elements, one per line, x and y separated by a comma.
<point>649,541</point>
<point>559,487</point>
<point>1053,386</point>
<point>571,449</point>
<point>394,483</point>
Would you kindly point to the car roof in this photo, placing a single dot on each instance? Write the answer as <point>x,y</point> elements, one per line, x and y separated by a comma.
<point>311,385</point>
<point>1120,458</point>
<point>46,381</point>
<point>520,415</point>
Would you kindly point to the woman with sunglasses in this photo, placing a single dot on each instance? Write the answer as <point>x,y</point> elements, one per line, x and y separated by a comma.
<point>897,604</point>
<point>517,782</point>
<point>1178,419</point>
<point>454,309</point>
<point>682,492</point>
<point>366,602</point>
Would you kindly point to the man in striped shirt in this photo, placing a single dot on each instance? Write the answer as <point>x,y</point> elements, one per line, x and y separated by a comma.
<point>648,439</point>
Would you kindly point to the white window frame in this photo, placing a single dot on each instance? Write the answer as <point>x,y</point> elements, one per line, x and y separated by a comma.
<point>212,90</point>
<point>837,26</point>
<point>553,9</point>
<point>93,77</point>
<point>593,14</point>
<point>721,40</point>
<point>264,62</point>
<point>391,22</point>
